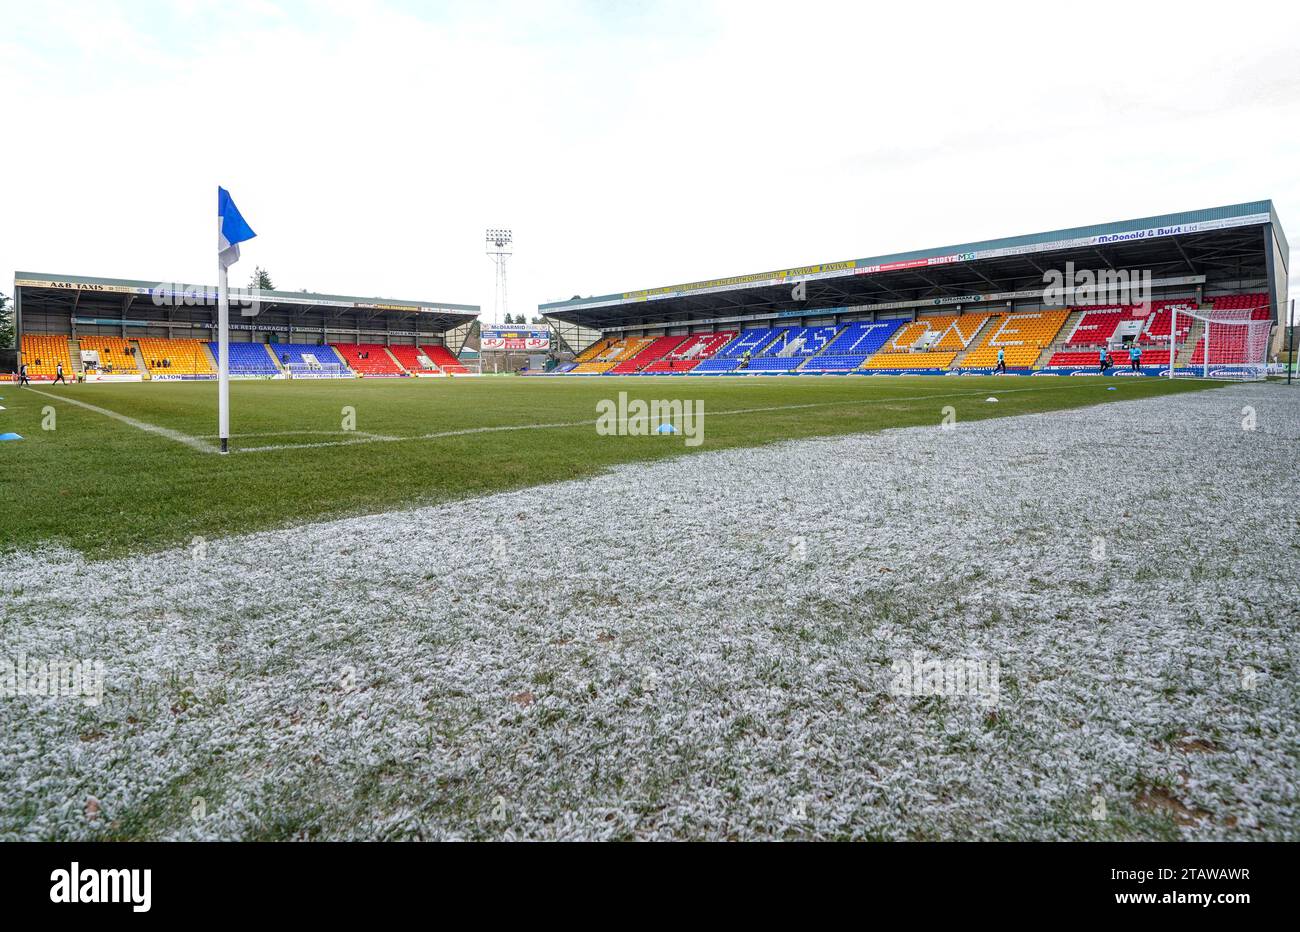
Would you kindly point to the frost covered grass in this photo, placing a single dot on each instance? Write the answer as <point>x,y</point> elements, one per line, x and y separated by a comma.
<point>106,487</point>
<point>706,647</point>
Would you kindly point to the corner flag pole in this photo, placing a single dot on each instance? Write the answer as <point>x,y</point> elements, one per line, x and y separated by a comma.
<point>231,231</point>
<point>223,359</point>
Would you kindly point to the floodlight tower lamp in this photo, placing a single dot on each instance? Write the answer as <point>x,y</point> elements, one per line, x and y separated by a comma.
<point>499,250</point>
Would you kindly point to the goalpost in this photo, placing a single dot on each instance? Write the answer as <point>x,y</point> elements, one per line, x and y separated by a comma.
<point>1231,349</point>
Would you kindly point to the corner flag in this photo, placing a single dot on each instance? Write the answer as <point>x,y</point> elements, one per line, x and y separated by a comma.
<point>231,231</point>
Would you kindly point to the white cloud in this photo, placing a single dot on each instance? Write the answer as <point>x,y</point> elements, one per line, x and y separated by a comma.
<point>370,145</point>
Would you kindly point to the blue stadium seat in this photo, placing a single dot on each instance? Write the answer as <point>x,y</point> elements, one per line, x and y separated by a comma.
<point>325,355</point>
<point>801,342</point>
<point>752,340</point>
<point>715,366</point>
<point>248,359</point>
<point>853,346</point>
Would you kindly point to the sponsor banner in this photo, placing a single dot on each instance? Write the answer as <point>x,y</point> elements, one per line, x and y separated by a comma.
<point>182,378</point>
<point>78,286</point>
<point>113,377</point>
<point>498,339</point>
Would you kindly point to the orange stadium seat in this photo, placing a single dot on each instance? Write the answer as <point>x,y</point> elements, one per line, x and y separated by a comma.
<point>1021,336</point>
<point>42,352</point>
<point>175,357</point>
<point>115,353</point>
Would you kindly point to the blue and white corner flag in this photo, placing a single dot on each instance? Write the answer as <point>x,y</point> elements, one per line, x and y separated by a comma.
<point>231,229</point>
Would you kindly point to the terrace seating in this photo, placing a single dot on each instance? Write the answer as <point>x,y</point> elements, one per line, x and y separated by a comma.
<point>591,352</point>
<point>915,344</point>
<point>1021,337</point>
<point>43,352</point>
<point>1256,300</point>
<point>613,354</point>
<point>248,359</point>
<point>1089,359</point>
<point>717,365</point>
<point>691,352</point>
<point>409,357</point>
<point>753,340</point>
<point>958,335</point>
<point>323,360</point>
<point>115,353</point>
<point>369,360</point>
<point>885,360</point>
<point>1156,328</point>
<point>1232,343</point>
<point>774,364</point>
<point>801,341</point>
<point>164,357</point>
<point>648,354</point>
<point>442,357</point>
<point>854,344</point>
<point>701,345</point>
<point>1096,326</point>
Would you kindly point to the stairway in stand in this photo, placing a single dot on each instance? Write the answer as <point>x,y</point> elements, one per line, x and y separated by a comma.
<point>74,350</point>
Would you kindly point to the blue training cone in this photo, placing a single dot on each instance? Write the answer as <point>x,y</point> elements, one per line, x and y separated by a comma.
<point>10,437</point>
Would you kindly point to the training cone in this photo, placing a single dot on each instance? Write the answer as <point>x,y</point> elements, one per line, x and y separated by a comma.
<point>990,398</point>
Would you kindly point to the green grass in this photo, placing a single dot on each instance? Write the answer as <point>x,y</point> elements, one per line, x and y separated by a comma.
<point>107,488</point>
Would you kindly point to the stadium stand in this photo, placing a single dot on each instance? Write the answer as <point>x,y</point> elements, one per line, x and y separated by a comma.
<point>164,357</point>
<point>1089,359</point>
<point>370,360</point>
<point>43,352</point>
<point>915,345</point>
<point>444,360</point>
<point>1233,343</point>
<point>963,330</point>
<point>754,340</point>
<point>1097,325</point>
<point>307,359</point>
<point>692,351</point>
<point>591,352</point>
<point>801,342</point>
<point>248,359</point>
<point>615,353</point>
<point>413,359</point>
<point>116,354</point>
<point>853,346</point>
<point>1022,338</point>
<point>1156,328</point>
<point>652,351</point>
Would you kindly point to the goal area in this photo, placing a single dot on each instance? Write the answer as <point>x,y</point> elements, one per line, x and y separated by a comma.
<point>1226,344</point>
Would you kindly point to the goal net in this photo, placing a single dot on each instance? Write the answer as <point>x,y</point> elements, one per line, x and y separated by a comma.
<point>1225,344</point>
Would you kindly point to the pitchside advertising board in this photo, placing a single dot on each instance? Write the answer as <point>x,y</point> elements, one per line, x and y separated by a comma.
<point>496,340</point>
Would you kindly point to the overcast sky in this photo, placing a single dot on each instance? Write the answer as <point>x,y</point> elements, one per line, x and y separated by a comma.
<point>627,145</point>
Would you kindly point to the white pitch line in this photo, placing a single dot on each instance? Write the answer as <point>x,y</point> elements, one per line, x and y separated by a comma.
<point>562,424</point>
<point>192,442</point>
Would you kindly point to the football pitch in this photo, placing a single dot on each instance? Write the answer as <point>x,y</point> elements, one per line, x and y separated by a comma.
<point>1061,624</point>
<point>110,469</point>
